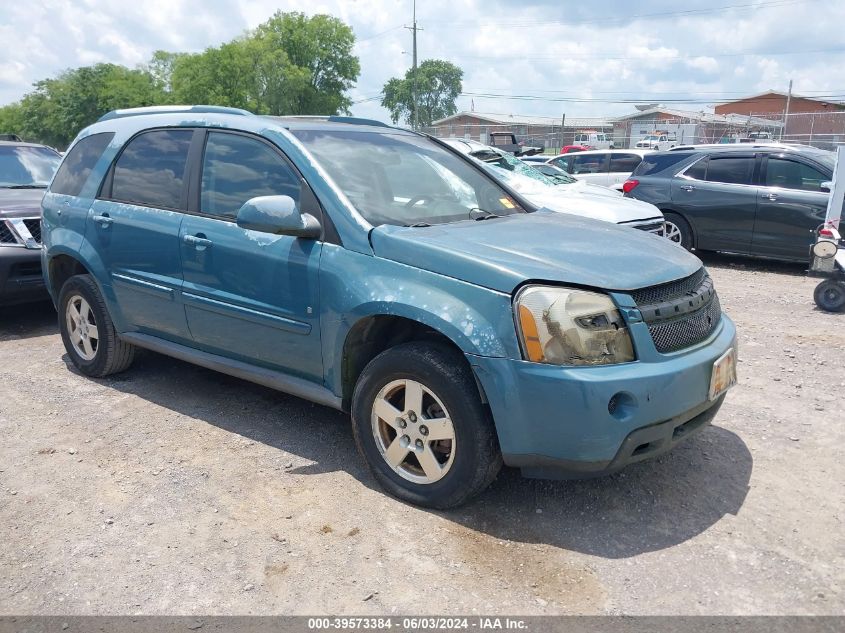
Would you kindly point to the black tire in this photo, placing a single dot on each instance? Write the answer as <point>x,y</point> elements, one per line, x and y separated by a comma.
<point>829,295</point>
<point>476,456</point>
<point>110,354</point>
<point>684,231</point>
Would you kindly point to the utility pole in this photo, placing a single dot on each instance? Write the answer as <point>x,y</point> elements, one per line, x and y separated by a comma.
<point>786,110</point>
<point>415,120</point>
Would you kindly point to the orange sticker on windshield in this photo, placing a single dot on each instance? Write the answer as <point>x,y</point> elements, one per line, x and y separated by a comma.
<point>506,202</point>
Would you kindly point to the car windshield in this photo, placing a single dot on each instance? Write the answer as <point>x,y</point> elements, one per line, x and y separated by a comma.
<point>24,166</point>
<point>509,162</point>
<point>651,137</point>
<point>405,179</point>
<point>555,174</point>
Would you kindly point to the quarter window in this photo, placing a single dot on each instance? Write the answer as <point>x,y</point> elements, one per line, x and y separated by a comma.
<point>151,169</point>
<point>791,174</point>
<point>79,162</point>
<point>731,170</point>
<point>237,168</point>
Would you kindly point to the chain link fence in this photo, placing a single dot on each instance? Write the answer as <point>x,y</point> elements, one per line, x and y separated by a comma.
<point>824,130</point>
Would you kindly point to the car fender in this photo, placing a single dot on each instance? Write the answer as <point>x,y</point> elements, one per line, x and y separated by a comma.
<point>354,286</point>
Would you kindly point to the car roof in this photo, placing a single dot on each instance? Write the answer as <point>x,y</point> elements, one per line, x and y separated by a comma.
<point>136,119</point>
<point>23,144</point>
<point>588,152</point>
<point>757,147</point>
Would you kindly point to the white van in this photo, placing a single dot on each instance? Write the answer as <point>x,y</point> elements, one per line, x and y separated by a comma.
<point>595,140</point>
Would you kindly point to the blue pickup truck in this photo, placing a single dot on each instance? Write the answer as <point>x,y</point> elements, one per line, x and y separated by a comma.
<point>378,271</point>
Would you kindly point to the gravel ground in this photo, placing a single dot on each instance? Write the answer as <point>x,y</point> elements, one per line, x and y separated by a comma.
<point>171,489</point>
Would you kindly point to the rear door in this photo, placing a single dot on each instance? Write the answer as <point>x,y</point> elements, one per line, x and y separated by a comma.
<point>790,207</point>
<point>134,228</point>
<point>249,295</point>
<point>621,166</point>
<point>718,196</point>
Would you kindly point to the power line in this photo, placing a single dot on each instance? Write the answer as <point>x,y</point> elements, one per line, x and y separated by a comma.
<point>606,20</point>
<point>647,57</point>
<point>511,97</point>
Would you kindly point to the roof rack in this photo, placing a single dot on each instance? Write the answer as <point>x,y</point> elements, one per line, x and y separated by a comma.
<point>172,109</point>
<point>332,118</point>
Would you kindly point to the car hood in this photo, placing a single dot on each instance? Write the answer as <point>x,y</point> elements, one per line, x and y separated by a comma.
<point>502,253</point>
<point>583,202</point>
<point>582,186</point>
<point>20,203</point>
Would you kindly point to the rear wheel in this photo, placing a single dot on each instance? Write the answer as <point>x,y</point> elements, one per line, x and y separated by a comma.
<point>88,332</point>
<point>419,422</point>
<point>678,230</point>
<point>830,295</point>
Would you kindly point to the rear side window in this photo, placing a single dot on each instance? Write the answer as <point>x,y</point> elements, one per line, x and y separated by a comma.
<point>237,168</point>
<point>151,169</point>
<point>77,165</point>
<point>731,170</point>
<point>589,163</point>
<point>698,171</point>
<point>655,163</point>
<point>624,162</point>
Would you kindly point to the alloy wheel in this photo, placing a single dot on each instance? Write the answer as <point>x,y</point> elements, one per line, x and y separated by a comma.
<point>672,232</point>
<point>82,327</point>
<point>413,431</point>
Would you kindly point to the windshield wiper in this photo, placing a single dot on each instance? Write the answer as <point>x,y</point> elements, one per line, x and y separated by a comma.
<point>417,225</point>
<point>30,186</point>
<point>487,214</point>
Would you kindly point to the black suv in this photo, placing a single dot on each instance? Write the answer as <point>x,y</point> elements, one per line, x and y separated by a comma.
<point>761,200</point>
<point>25,171</point>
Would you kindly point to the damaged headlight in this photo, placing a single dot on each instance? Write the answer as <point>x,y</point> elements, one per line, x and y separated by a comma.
<point>564,326</point>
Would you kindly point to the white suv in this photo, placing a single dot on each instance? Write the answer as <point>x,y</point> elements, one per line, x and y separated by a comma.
<point>609,168</point>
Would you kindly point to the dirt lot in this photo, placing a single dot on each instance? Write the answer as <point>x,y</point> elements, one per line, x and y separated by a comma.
<point>172,489</point>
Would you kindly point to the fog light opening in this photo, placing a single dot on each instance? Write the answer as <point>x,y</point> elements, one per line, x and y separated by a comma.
<point>622,405</point>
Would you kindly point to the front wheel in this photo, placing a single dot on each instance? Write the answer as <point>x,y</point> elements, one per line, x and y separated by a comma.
<point>419,422</point>
<point>830,295</point>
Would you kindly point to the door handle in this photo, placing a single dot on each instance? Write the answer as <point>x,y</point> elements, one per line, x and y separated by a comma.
<point>103,220</point>
<point>769,196</point>
<point>687,187</point>
<point>200,242</point>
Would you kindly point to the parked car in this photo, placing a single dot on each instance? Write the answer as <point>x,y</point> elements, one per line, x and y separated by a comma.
<point>375,270</point>
<point>593,140</point>
<point>763,200</point>
<point>658,141</point>
<point>608,168</point>
<point>25,171</point>
<point>561,192</point>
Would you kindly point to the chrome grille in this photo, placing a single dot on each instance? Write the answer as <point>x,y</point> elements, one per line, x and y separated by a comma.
<point>674,335</point>
<point>669,291</point>
<point>34,226</point>
<point>680,313</point>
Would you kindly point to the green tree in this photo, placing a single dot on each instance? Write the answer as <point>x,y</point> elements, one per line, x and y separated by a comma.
<point>291,64</point>
<point>58,108</point>
<point>438,86</point>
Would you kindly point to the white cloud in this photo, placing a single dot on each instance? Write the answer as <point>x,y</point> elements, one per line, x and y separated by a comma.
<point>528,47</point>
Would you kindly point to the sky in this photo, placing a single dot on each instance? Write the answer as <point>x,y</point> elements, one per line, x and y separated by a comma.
<point>527,57</point>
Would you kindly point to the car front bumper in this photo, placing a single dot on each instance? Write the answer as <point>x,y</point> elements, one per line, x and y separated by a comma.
<point>556,422</point>
<point>20,275</point>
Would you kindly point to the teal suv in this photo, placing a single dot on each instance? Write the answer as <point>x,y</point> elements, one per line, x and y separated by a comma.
<point>378,271</point>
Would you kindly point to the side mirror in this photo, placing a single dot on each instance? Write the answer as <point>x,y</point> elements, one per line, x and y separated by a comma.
<point>277,215</point>
<point>826,186</point>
